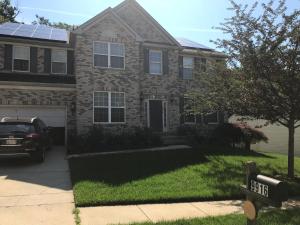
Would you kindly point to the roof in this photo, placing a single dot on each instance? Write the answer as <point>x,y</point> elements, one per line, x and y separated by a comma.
<point>192,44</point>
<point>30,31</point>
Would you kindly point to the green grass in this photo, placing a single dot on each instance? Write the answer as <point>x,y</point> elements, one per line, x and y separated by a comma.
<point>275,217</point>
<point>172,176</point>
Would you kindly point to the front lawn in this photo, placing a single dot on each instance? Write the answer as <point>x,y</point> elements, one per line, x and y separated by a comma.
<point>172,176</point>
<point>274,217</point>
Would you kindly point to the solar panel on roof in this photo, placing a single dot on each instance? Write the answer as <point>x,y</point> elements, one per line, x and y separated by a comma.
<point>34,31</point>
<point>191,44</point>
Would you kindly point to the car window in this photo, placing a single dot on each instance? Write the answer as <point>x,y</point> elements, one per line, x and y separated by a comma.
<point>16,127</point>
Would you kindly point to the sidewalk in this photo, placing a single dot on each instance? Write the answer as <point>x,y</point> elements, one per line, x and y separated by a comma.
<point>157,212</point>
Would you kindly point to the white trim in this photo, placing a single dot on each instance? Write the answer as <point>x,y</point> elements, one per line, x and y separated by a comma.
<point>109,107</point>
<point>13,58</point>
<point>66,125</point>
<point>52,61</point>
<point>109,55</point>
<point>35,86</point>
<point>218,118</point>
<point>161,62</point>
<point>165,126</point>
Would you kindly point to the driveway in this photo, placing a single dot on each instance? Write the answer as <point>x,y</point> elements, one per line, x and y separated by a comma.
<point>36,194</point>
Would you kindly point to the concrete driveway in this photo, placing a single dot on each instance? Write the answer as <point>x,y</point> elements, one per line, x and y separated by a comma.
<point>36,194</point>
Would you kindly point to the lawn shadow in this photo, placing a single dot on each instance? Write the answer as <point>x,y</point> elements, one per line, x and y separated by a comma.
<point>118,169</point>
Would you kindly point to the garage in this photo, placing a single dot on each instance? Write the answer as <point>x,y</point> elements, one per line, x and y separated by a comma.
<point>54,117</point>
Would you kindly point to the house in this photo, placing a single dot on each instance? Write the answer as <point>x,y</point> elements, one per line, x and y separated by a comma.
<point>119,69</point>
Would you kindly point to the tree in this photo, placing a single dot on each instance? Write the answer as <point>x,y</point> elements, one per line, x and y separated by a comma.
<point>8,13</point>
<point>42,20</point>
<point>263,78</point>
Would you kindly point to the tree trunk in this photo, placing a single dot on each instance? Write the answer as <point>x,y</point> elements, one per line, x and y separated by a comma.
<point>291,151</point>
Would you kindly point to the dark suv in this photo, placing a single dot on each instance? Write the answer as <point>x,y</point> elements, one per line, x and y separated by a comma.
<point>24,136</point>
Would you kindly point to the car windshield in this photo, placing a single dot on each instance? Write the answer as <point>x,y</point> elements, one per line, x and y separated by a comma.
<point>16,127</point>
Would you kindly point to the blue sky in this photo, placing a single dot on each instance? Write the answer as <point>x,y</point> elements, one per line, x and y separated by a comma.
<point>193,19</point>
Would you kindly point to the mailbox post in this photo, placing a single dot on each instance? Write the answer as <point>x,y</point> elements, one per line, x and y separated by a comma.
<point>261,191</point>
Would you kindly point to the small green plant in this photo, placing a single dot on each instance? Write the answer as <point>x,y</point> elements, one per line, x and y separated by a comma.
<point>76,212</point>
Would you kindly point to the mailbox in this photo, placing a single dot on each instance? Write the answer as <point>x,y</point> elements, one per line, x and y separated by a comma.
<point>268,187</point>
<point>261,191</point>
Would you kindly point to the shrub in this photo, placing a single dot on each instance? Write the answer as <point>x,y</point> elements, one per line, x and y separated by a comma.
<point>99,140</point>
<point>238,133</point>
<point>194,134</point>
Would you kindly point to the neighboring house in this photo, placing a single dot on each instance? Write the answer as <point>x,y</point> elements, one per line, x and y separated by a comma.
<point>129,72</point>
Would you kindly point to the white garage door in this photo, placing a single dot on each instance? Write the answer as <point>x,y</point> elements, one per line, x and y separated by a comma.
<point>53,117</point>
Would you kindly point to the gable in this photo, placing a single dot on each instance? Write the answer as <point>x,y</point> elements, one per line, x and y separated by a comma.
<point>105,22</point>
<point>143,24</point>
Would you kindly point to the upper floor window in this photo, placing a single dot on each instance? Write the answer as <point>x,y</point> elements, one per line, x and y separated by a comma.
<point>109,107</point>
<point>109,55</point>
<point>21,58</point>
<point>59,61</point>
<point>155,62</point>
<point>188,66</point>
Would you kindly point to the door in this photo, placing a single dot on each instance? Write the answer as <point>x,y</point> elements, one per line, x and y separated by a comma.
<point>54,117</point>
<point>156,115</point>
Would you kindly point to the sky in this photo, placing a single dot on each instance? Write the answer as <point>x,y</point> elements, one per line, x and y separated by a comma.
<point>192,19</point>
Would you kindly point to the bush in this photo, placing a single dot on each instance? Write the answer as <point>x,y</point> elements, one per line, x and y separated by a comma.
<point>194,134</point>
<point>238,133</point>
<point>99,140</point>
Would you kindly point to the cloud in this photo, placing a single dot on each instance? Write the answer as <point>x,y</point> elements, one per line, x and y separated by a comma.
<point>195,29</point>
<point>66,13</point>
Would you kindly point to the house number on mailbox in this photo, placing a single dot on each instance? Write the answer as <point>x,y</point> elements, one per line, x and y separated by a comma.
<point>259,188</point>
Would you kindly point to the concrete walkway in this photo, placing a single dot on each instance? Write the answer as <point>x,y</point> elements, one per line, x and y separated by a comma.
<point>162,212</point>
<point>36,194</point>
<point>156,212</point>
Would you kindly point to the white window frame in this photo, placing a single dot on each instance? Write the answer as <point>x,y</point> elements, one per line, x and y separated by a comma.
<point>156,62</point>
<point>108,55</point>
<point>189,67</point>
<point>13,58</point>
<point>195,117</point>
<point>52,61</point>
<point>218,118</point>
<point>109,107</point>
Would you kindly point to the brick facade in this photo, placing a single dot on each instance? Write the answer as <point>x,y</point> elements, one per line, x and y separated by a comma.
<point>130,25</point>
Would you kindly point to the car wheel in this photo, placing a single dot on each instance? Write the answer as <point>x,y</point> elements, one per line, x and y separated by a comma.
<point>38,156</point>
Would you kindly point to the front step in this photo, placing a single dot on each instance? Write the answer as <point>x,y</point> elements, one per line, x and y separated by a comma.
<point>174,140</point>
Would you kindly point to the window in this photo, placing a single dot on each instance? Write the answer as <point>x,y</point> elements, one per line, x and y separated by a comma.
<point>109,55</point>
<point>212,118</point>
<point>188,65</point>
<point>155,62</point>
<point>21,58</point>
<point>189,116</point>
<point>203,64</point>
<point>109,107</point>
<point>59,61</point>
